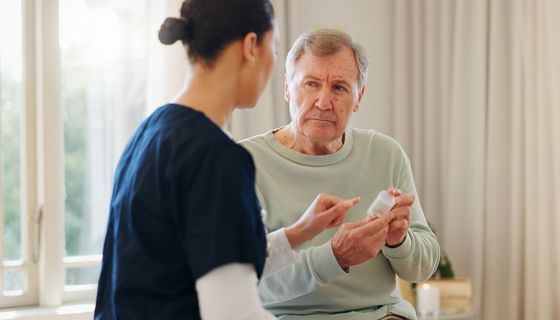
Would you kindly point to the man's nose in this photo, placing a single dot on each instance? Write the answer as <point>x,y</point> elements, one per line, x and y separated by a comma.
<point>324,101</point>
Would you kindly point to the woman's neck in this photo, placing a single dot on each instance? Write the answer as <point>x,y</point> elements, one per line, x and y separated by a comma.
<point>210,92</point>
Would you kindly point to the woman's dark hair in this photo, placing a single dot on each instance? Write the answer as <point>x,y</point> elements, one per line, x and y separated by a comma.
<point>207,26</point>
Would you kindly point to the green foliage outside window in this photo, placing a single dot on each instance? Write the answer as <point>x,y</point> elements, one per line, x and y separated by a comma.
<point>75,126</point>
<point>10,101</point>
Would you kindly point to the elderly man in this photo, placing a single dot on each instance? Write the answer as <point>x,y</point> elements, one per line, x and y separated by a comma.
<point>347,273</point>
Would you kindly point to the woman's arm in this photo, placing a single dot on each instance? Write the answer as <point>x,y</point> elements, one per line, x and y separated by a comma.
<point>230,292</point>
<point>280,253</point>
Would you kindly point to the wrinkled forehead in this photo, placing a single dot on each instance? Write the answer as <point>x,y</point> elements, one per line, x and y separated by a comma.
<point>338,66</point>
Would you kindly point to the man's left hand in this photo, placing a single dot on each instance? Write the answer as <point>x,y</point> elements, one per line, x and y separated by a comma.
<point>398,228</point>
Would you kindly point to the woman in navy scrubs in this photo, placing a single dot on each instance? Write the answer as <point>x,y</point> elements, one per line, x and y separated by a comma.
<point>185,238</point>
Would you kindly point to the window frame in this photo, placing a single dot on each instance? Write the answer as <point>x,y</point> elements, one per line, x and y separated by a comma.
<point>50,151</point>
<point>42,171</point>
<point>42,198</point>
<point>28,170</point>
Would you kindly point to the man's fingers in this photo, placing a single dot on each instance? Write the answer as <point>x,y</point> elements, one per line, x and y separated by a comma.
<point>404,200</point>
<point>354,225</point>
<point>380,235</point>
<point>372,226</point>
<point>400,224</point>
<point>394,192</point>
<point>401,213</point>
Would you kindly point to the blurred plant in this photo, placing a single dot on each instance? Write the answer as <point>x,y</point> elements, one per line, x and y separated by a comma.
<point>444,269</point>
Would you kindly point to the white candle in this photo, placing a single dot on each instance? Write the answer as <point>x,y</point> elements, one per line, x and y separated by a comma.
<point>427,299</point>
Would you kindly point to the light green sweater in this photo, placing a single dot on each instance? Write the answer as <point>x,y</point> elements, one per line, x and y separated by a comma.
<point>315,287</point>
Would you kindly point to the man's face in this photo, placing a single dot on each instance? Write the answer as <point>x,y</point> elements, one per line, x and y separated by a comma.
<point>323,94</point>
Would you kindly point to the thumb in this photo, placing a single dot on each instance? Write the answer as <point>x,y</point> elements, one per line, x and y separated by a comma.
<point>337,213</point>
<point>394,192</point>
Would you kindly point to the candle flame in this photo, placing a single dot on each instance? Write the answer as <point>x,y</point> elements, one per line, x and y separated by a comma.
<point>426,286</point>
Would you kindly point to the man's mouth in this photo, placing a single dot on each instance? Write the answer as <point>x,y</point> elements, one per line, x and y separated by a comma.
<point>326,118</point>
<point>317,119</point>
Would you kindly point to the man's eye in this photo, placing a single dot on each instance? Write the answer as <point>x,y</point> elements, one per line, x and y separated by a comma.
<point>340,88</point>
<point>311,84</point>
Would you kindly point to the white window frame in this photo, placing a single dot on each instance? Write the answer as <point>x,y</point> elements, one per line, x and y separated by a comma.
<point>28,198</point>
<point>50,151</point>
<point>43,260</point>
<point>42,171</point>
<point>52,289</point>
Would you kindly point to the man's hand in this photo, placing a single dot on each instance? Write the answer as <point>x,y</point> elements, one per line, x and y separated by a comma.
<point>398,228</point>
<point>358,242</point>
<point>325,211</point>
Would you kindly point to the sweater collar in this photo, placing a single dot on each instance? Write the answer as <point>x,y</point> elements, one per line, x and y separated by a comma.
<point>312,160</point>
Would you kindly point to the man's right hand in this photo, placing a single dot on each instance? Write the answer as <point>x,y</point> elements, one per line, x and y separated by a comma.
<point>360,241</point>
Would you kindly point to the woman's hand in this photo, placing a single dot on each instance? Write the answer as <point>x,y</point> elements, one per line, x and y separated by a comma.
<point>325,211</point>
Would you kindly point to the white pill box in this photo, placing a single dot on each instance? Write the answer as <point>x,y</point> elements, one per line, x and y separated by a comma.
<point>382,204</point>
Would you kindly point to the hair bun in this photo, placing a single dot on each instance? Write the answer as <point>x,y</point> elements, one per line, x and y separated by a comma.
<point>174,29</point>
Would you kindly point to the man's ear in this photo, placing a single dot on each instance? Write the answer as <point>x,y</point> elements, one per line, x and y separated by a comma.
<point>360,96</point>
<point>286,89</point>
<point>250,47</point>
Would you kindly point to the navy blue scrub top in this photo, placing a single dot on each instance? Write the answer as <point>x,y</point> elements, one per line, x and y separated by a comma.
<point>183,204</point>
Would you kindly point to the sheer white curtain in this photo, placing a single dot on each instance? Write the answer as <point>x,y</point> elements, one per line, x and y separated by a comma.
<point>536,182</point>
<point>472,96</point>
<point>475,99</point>
<point>168,66</point>
<point>471,90</point>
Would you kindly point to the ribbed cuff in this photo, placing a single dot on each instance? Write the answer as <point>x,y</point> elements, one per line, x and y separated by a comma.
<point>324,264</point>
<point>401,251</point>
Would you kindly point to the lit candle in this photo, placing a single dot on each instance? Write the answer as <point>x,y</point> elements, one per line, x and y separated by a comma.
<point>427,302</point>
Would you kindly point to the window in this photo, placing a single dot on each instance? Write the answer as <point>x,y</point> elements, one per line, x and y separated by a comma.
<point>66,113</point>
<point>103,74</point>
<point>13,275</point>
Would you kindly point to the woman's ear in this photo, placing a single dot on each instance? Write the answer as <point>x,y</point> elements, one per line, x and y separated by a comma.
<point>250,47</point>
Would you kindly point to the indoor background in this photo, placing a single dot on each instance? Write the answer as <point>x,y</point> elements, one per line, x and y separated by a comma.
<point>470,88</point>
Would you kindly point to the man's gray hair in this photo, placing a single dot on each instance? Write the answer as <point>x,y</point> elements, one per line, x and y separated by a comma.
<point>326,42</point>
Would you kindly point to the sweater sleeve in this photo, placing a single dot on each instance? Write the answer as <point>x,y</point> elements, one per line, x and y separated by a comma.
<point>417,258</point>
<point>314,267</point>
<point>305,272</point>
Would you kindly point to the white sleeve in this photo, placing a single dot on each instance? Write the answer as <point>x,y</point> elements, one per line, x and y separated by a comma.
<point>280,253</point>
<point>230,292</point>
